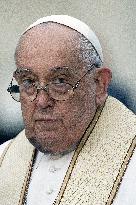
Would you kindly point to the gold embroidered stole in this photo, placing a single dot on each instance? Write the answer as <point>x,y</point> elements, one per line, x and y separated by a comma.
<point>15,168</point>
<point>96,169</point>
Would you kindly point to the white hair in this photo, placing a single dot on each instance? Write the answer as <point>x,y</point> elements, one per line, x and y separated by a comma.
<point>88,53</point>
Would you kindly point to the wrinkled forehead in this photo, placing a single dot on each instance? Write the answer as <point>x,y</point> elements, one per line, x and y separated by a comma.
<point>48,45</point>
<point>49,33</point>
<point>50,38</point>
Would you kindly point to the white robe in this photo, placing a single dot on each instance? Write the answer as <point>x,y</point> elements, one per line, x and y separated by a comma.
<point>49,172</point>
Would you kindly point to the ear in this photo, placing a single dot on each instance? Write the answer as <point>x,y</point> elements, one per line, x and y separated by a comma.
<point>102,79</point>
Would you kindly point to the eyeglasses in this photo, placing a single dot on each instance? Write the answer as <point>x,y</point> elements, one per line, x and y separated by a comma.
<point>60,91</point>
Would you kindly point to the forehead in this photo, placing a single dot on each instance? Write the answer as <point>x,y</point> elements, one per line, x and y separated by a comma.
<point>47,46</point>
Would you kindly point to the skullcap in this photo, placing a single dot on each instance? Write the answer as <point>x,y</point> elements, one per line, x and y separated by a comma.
<point>75,24</point>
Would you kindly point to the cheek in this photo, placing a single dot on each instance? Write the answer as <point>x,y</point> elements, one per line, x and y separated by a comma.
<point>78,109</point>
<point>27,112</point>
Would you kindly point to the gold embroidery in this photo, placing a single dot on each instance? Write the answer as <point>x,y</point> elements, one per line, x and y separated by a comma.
<point>4,153</point>
<point>25,185</point>
<point>76,153</point>
<point>121,172</point>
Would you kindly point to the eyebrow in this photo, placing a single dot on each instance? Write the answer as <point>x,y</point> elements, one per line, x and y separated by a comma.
<point>23,70</point>
<point>57,69</point>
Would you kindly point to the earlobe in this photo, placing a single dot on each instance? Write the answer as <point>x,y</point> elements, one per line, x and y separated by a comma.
<point>102,79</point>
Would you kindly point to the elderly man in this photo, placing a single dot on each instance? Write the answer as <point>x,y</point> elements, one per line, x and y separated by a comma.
<point>82,140</point>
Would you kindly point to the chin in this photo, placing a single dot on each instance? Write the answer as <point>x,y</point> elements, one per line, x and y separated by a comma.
<point>51,147</point>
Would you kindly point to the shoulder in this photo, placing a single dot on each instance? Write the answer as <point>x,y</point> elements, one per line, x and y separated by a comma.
<point>17,143</point>
<point>117,105</point>
<point>3,146</point>
<point>19,138</point>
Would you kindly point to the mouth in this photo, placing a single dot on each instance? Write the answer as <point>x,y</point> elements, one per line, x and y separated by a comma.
<point>46,124</point>
<point>45,118</point>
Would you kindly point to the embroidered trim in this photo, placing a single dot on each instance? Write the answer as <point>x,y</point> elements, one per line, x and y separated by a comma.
<point>26,180</point>
<point>121,173</point>
<point>76,153</point>
<point>4,152</point>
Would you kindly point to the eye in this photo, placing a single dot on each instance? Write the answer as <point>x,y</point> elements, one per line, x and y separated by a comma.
<point>60,80</point>
<point>27,82</point>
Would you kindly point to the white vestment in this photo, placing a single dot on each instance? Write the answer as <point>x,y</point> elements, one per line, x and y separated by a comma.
<point>49,171</point>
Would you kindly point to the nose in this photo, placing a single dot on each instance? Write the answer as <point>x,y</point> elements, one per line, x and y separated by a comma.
<point>43,100</point>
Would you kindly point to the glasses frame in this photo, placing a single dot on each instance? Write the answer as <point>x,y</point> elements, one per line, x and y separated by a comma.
<point>45,88</point>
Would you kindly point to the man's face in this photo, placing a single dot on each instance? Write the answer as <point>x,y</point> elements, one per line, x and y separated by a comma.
<point>51,53</point>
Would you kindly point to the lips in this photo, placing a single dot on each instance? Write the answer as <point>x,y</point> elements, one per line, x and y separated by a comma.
<point>46,120</point>
<point>46,123</point>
